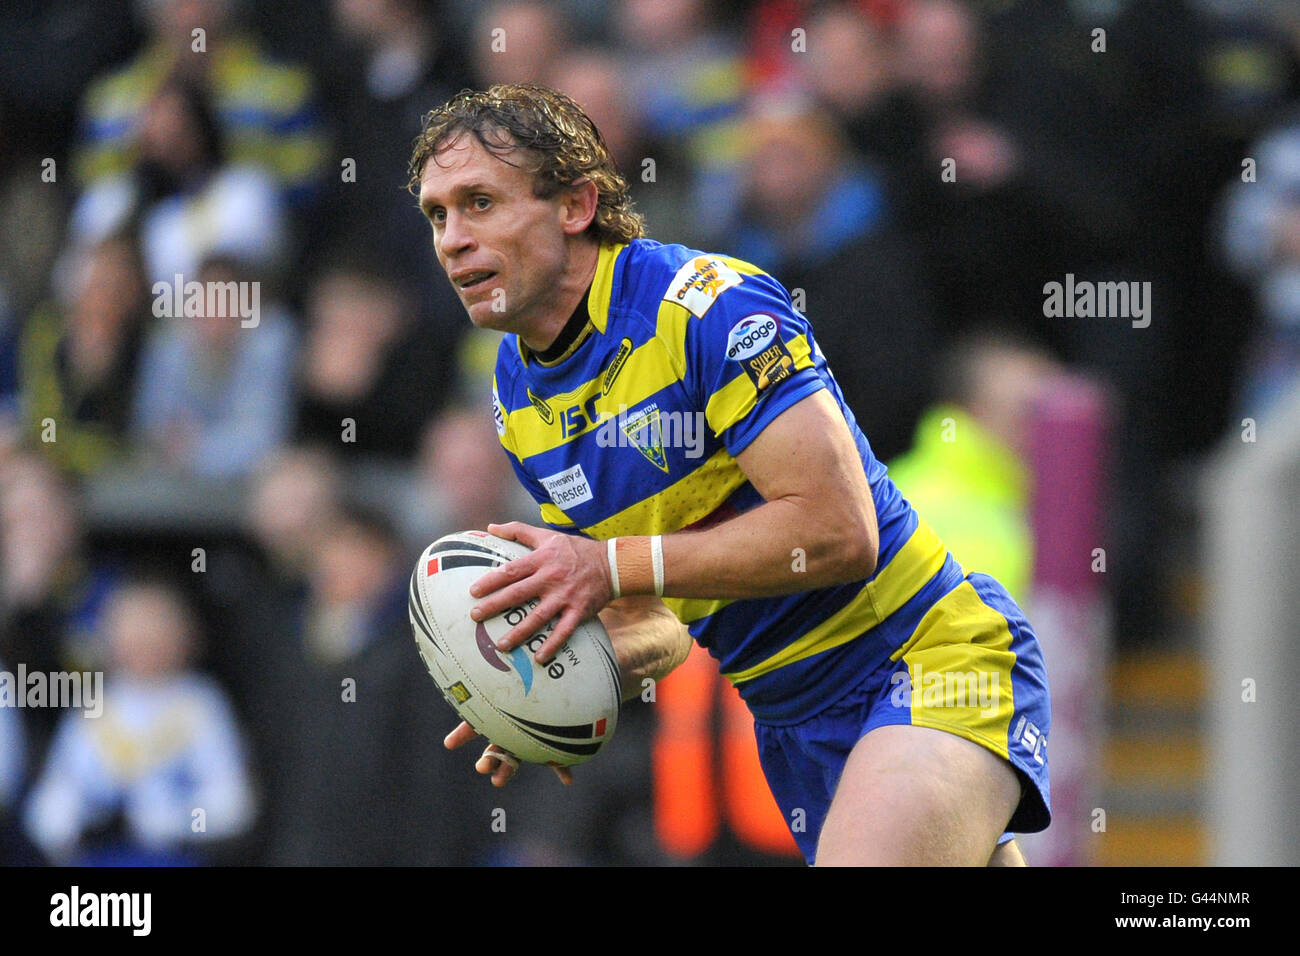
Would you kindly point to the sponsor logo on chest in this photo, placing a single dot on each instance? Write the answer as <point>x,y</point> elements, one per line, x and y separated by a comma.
<point>568,488</point>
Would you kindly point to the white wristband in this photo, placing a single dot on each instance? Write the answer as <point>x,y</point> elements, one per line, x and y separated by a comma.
<point>611,551</point>
<point>657,562</point>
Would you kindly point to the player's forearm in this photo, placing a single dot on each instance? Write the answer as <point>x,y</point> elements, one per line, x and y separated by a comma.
<point>781,547</point>
<point>648,640</point>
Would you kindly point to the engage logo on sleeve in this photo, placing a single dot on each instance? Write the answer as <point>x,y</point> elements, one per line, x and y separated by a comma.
<point>756,344</point>
<point>750,336</point>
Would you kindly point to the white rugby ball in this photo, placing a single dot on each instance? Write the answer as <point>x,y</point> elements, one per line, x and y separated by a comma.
<point>561,712</point>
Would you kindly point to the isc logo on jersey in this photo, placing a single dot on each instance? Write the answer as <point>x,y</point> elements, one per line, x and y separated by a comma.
<point>750,336</point>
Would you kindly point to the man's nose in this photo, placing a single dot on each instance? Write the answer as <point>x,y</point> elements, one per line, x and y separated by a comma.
<point>456,236</point>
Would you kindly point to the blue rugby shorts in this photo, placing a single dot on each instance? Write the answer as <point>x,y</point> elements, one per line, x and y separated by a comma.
<point>972,667</point>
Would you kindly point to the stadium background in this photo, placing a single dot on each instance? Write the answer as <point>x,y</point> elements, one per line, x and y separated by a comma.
<point>223,515</point>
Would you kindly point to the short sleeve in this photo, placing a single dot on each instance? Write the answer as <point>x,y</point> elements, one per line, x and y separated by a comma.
<point>749,356</point>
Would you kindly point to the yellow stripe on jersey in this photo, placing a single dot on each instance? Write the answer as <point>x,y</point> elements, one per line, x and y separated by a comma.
<point>654,365</point>
<point>740,265</point>
<point>647,370</point>
<point>670,328</point>
<point>551,514</point>
<point>915,563</point>
<point>690,610</point>
<point>735,400</point>
<point>959,648</point>
<point>602,285</point>
<point>682,503</point>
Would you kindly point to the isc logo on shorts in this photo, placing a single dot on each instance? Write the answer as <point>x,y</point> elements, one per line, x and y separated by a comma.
<point>1031,738</point>
<point>698,284</point>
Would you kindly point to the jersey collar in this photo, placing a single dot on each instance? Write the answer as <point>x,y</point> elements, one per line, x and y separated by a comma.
<point>598,299</point>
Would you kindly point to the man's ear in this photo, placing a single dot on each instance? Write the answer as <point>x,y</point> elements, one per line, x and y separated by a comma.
<point>578,208</point>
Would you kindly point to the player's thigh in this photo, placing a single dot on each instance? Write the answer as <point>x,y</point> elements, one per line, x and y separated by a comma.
<point>1008,854</point>
<point>918,796</point>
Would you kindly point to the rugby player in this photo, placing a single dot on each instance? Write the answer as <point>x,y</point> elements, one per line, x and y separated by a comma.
<point>775,538</point>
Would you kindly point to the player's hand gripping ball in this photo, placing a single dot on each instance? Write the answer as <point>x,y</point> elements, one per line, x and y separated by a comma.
<point>561,712</point>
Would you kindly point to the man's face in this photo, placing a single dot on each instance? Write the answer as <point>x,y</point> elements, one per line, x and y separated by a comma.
<point>503,248</point>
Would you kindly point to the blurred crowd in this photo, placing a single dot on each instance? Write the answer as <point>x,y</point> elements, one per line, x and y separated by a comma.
<point>913,170</point>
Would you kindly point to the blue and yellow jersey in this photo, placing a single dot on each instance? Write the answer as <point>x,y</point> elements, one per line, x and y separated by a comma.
<point>635,429</point>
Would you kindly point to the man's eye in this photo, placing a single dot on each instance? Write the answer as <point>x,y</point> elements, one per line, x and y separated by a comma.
<point>481,202</point>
